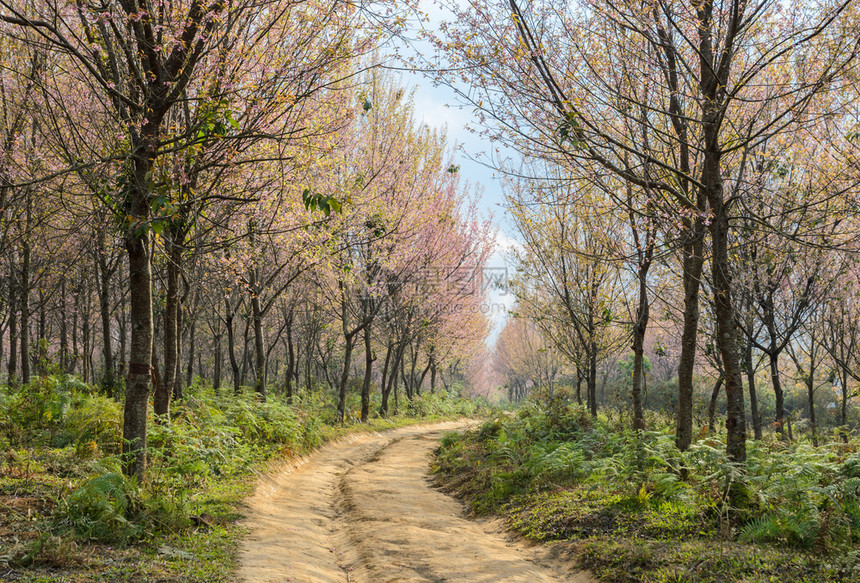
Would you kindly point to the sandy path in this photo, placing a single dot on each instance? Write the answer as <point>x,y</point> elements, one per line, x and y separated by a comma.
<point>363,511</point>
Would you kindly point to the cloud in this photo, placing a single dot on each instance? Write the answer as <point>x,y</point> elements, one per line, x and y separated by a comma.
<point>506,243</point>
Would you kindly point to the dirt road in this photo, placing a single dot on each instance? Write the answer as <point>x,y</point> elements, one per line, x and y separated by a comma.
<point>363,511</point>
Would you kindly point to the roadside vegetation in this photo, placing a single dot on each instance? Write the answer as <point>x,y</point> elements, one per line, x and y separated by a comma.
<point>637,509</point>
<point>67,513</point>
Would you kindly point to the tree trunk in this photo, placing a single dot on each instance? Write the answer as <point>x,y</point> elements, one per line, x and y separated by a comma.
<point>392,379</point>
<point>407,386</point>
<point>104,310</point>
<point>368,370</point>
<point>245,352</point>
<point>259,342</point>
<point>291,360</point>
<point>140,351</point>
<point>309,362</point>
<point>386,385</point>
<point>756,416</point>
<point>164,391</point>
<point>74,363</point>
<point>86,336</point>
<point>344,377</point>
<point>289,373</point>
<point>231,348</point>
<point>778,393</point>
<point>64,332</point>
<point>592,377</point>
<point>42,339</point>
<point>415,387</point>
<point>25,302</point>
<point>2,345</point>
<point>121,327</point>
<point>714,72</point>
<point>12,367</point>
<point>844,408</point>
<point>810,392</point>
<point>639,329</point>
<point>216,373</point>
<point>725,317</point>
<point>692,274</point>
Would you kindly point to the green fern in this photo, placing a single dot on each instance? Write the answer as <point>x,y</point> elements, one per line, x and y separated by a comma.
<point>98,509</point>
<point>798,530</point>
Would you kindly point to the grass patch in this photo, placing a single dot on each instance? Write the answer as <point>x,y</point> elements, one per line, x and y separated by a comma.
<point>637,510</point>
<point>67,514</point>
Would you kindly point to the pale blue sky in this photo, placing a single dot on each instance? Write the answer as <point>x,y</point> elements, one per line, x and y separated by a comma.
<point>439,106</point>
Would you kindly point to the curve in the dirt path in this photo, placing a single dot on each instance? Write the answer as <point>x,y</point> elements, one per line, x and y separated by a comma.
<point>363,511</point>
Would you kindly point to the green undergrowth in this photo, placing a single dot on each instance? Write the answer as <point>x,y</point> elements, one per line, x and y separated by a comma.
<point>638,510</point>
<point>68,514</point>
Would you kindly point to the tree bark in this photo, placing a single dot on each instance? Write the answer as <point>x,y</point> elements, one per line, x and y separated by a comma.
<point>368,371</point>
<point>725,317</point>
<point>24,299</point>
<point>810,392</point>
<point>164,391</point>
<point>104,309</point>
<point>407,386</point>
<point>74,363</point>
<point>291,360</point>
<point>64,333</point>
<point>779,395</point>
<point>121,328</point>
<point>86,336</point>
<point>693,263</point>
<point>231,348</point>
<point>216,373</point>
<point>189,371</point>
<point>42,338</point>
<point>245,352</point>
<point>140,351</point>
<point>592,377</point>
<point>844,409</point>
<point>12,367</point>
<point>392,379</point>
<point>385,386</point>
<point>349,341</point>
<point>415,386</point>
<point>259,341</point>
<point>639,329</point>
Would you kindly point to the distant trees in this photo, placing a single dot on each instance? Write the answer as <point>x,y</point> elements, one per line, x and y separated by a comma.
<point>208,139</point>
<point>567,283</point>
<point>671,98</point>
<point>526,359</point>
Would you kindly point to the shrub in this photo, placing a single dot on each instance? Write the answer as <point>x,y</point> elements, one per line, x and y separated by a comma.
<point>94,420</point>
<point>98,509</point>
<point>440,404</point>
<point>797,496</point>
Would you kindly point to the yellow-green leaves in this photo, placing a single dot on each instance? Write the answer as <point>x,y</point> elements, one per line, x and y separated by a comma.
<point>321,202</point>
